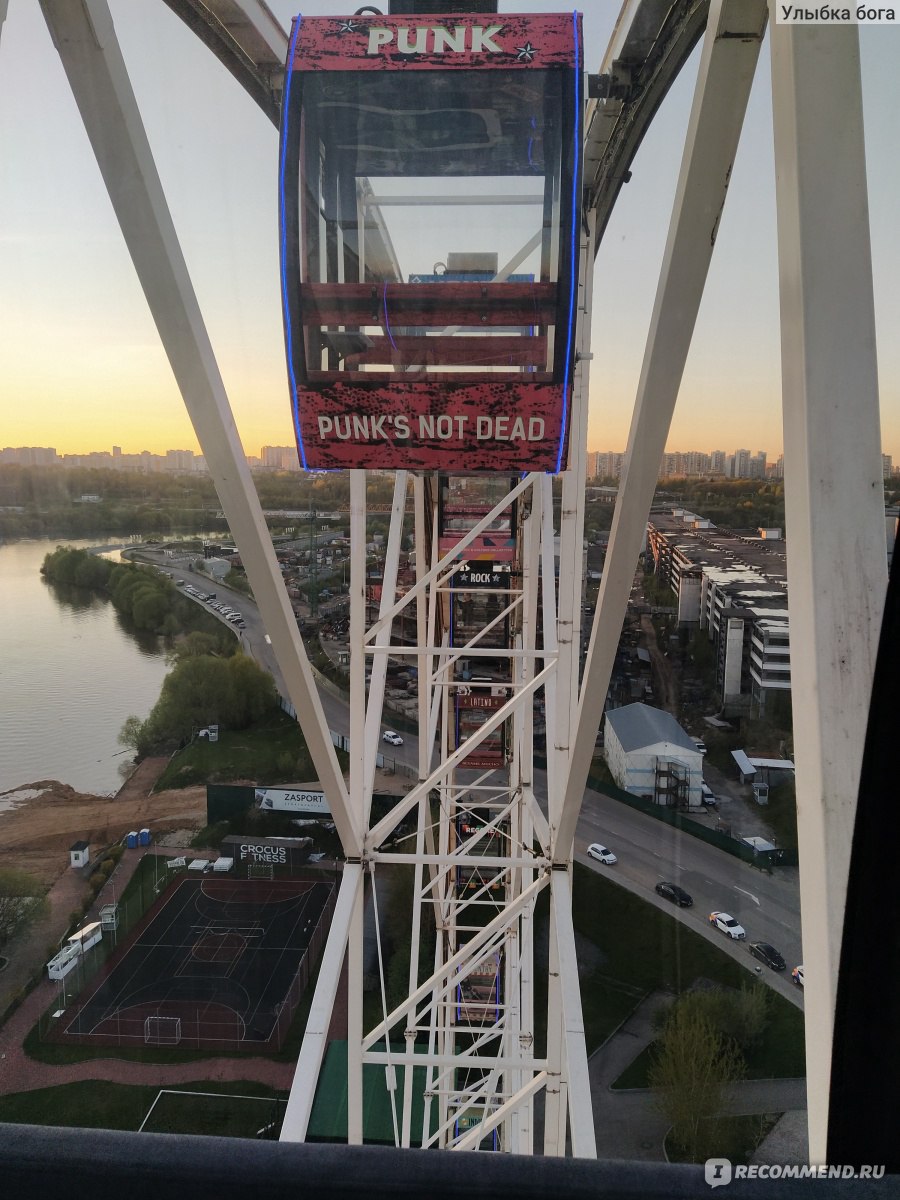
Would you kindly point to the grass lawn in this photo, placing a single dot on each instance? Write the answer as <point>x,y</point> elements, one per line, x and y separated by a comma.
<point>732,1137</point>
<point>274,752</point>
<point>780,1056</point>
<point>645,949</point>
<point>93,1104</point>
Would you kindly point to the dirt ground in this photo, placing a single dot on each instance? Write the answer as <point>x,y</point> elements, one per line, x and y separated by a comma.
<point>36,836</point>
<point>665,686</point>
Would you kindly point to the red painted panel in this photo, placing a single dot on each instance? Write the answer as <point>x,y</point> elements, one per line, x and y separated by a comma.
<point>454,350</point>
<point>427,303</point>
<point>490,753</point>
<point>378,43</point>
<point>502,426</point>
<point>490,547</point>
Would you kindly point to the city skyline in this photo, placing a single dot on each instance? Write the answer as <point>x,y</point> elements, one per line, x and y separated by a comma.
<point>739,464</point>
<point>79,355</point>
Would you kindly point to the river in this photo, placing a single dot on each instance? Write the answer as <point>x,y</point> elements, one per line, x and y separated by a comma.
<point>72,672</point>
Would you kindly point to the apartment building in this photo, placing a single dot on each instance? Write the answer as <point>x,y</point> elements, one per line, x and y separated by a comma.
<point>733,587</point>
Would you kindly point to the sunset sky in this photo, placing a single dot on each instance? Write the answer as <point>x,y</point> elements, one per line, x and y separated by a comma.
<point>80,361</point>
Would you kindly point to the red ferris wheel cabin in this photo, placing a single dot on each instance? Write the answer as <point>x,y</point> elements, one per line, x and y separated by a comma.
<point>430,211</point>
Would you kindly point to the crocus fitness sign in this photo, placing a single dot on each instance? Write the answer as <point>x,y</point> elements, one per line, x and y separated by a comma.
<point>430,209</point>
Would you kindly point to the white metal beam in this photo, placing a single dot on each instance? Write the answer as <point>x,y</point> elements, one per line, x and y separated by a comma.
<point>303,1088</point>
<point>85,38</point>
<point>728,61</point>
<point>581,1119</point>
<point>834,502</point>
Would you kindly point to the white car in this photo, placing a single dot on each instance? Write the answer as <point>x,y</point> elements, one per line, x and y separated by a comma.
<point>602,854</point>
<point>797,975</point>
<point>728,925</point>
<point>394,738</point>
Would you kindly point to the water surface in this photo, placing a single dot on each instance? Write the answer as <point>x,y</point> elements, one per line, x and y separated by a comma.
<point>70,673</point>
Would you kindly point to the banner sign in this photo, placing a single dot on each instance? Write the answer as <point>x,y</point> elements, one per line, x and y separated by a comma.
<point>283,800</point>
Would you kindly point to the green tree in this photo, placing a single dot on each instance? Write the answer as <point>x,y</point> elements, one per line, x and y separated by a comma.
<point>20,901</point>
<point>694,1067</point>
<point>198,642</point>
<point>252,690</point>
<point>149,608</point>
<point>202,690</point>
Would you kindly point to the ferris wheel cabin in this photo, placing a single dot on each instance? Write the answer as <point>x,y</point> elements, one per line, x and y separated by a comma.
<point>430,210</point>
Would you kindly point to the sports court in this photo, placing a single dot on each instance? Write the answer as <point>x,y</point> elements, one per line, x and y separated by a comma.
<point>214,964</point>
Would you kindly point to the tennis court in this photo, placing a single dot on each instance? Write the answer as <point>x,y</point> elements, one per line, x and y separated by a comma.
<point>214,964</point>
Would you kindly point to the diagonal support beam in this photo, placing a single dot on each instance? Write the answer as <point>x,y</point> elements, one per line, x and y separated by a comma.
<point>303,1089</point>
<point>727,65</point>
<point>387,824</point>
<point>445,972</point>
<point>85,37</point>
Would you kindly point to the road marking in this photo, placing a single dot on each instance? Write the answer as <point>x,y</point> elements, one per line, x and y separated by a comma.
<point>750,894</point>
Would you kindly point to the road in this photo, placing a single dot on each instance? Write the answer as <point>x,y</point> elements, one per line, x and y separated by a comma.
<point>768,906</point>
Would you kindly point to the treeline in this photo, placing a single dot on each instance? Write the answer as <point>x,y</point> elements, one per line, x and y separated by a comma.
<point>126,502</point>
<point>202,689</point>
<point>149,600</point>
<point>210,681</point>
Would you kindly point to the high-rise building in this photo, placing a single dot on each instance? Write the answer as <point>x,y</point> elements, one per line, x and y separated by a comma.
<point>179,460</point>
<point>29,456</point>
<point>279,458</point>
<point>757,465</point>
<point>608,464</point>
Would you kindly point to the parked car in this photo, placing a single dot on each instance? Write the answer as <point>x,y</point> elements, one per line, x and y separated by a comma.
<point>728,925</point>
<point>797,975</point>
<point>671,891</point>
<point>767,954</point>
<point>602,854</point>
<point>707,797</point>
<point>700,744</point>
<point>394,738</point>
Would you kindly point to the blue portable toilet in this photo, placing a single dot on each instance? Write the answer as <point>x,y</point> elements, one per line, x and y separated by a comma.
<point>144,837</point>
<point>131,839</point>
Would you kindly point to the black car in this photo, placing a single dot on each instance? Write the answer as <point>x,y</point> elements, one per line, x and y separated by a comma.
<point>671,891</point>
<point>767,954</point>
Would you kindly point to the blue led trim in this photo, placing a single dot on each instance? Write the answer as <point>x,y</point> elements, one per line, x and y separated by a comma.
<point>387,320</point>
<point>282,229</point>
<point>574,248</point>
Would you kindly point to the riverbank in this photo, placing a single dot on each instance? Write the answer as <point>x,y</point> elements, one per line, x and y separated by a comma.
<point>36,836</point>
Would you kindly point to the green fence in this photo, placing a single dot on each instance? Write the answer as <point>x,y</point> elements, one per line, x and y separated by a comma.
<point>225,801</point>
<point>679,820</point>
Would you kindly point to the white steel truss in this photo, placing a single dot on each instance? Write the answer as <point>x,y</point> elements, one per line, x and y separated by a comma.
<point>482,846</point>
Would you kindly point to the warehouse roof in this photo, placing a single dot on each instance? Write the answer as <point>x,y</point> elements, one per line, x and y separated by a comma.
<point>639,725</point>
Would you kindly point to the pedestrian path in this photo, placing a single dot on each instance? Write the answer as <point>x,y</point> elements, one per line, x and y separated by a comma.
<point>627,1124</point>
